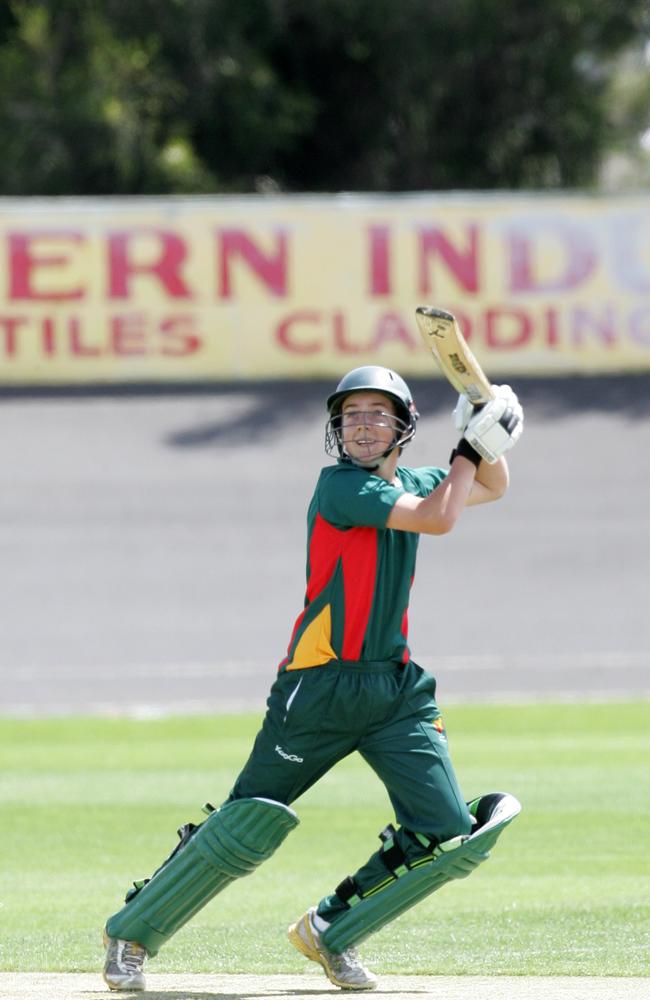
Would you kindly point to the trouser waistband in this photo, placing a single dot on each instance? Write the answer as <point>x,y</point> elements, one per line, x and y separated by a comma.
<point>364,666</point>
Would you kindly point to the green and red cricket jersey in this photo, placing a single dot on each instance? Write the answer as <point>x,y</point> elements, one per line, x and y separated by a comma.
<point>359,573</point>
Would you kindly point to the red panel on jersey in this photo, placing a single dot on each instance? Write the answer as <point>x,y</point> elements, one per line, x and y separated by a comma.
<point>356,548</point>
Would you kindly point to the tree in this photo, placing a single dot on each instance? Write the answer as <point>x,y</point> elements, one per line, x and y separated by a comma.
<point>241,95</point>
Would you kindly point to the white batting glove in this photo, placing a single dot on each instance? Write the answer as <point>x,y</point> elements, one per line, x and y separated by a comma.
<point>464,409</point>
<point>462,413</point>
<point>497,426</point>
<point>507,392</point>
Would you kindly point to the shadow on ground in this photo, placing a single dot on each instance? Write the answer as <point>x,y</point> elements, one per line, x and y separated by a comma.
<point>265,409</point>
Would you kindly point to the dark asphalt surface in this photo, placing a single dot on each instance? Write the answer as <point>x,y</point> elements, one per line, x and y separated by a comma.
<point>152,547</point>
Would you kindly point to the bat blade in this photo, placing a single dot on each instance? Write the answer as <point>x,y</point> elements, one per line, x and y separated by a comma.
<point>442,335</point>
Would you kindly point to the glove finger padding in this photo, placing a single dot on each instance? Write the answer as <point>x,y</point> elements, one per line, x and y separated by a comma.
<point>462,413</point>
<point>495,428</point>
<point>510,396</point>
<point>465,409</point>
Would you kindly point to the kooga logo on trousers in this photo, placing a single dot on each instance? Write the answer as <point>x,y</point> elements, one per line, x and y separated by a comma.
<point>288,756</point>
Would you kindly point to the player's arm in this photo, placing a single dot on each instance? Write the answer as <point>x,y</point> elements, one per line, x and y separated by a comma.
<point>490,484</point>
<point>472,480</point>
<point>437,513</point>
<point>465,486</point>
<point>492,435</point>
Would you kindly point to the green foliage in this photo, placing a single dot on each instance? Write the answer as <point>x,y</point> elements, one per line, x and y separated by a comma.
<point>224,95</point>
<point>90,804</point>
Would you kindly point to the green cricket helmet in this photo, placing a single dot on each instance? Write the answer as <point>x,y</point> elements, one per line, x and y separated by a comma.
<point>371,378</point>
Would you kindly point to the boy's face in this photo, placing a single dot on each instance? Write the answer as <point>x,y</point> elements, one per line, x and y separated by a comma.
<point>368,425</point>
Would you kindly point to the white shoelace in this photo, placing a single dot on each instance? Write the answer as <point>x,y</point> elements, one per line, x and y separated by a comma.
<point>350,958</point>
<point>132,957</point>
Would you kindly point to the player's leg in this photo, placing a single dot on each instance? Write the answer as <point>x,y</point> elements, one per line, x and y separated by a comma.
<point>324,934</point>
<point>287,758</point>
<point>410,755</point>
<point>438,838</point>
<point>302,736</point>
<point>231,843</point>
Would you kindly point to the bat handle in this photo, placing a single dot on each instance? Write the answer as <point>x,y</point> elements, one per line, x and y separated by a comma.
<point>434,313</point>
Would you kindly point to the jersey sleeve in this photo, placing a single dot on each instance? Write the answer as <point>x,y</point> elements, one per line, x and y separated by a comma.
<point>422,481</point>
<point>353,498</point>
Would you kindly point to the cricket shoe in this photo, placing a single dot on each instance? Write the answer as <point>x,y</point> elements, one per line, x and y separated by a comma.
<point>124,964</point>
<point>345,970</point>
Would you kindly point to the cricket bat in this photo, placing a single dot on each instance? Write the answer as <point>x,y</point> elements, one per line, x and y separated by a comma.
<point>441,333</point>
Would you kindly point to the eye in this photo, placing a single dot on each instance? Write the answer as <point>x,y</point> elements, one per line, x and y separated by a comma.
<point>377,417</point>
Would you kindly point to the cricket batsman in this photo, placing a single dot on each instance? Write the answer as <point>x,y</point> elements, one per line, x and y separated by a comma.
<point>348,683</point>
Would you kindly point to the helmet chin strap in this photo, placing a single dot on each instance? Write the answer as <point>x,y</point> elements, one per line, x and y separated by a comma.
<point>376,462</point>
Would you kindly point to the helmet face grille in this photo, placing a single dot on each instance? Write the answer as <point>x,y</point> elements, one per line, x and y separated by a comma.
<point>337,440</point>
<point>371,378</point>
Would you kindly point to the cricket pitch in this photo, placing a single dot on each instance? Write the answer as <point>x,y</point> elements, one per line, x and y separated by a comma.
<point>87,986</point>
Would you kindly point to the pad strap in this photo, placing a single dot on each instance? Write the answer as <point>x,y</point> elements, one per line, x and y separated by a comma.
<point>348,891</point>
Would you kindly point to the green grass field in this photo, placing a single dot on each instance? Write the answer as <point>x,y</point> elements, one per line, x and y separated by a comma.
<point>89,804</point>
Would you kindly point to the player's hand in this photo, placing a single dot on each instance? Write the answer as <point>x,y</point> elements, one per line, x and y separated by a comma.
<point>507,392</point>
<point>462,413</point>
<point>464,409</point>
<point>496,427</point>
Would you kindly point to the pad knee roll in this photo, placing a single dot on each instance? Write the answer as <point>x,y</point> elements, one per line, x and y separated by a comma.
<point>456,858</point>
<point>231,843</point>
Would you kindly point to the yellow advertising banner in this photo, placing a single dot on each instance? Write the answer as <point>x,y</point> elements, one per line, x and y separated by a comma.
<point>127,290</point>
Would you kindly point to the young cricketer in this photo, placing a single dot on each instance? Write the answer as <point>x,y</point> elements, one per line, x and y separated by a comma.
<point>348,683</point>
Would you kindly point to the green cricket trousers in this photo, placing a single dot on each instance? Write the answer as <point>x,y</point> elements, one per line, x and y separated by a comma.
<point>387,712</point>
